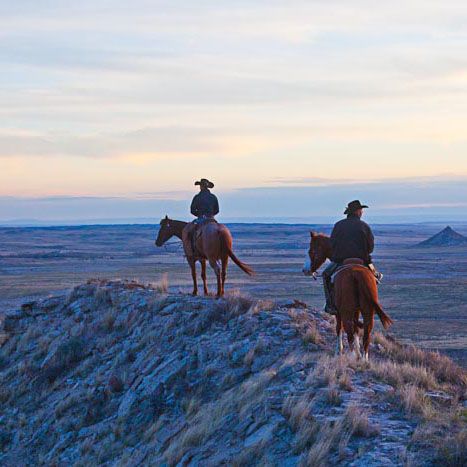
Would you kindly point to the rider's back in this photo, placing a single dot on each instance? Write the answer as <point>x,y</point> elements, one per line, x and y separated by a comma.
<point>204,204</point>
<point>352,238</point>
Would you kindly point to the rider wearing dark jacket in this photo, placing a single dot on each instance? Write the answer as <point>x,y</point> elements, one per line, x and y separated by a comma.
<point>204,207</point>
<point>350,238</point>
<point>204,204</point>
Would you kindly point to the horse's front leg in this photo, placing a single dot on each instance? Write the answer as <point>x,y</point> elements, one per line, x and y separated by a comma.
<point>339,344</point>
<point>215,266</point>
<point>192,264</point>
<point>203,276</point>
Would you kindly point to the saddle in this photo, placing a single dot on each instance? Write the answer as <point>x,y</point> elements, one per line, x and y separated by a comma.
<point>351,262</point>
<point>197,233</point>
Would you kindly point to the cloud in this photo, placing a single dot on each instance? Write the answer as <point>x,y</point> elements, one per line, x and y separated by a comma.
<point>229,82</point>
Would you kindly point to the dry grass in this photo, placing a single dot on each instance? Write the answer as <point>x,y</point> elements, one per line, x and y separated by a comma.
<point>399,374</point>
<point>162,286</point>
<point>305,326</point>
<point>333,396</point>
<point>312,335</point>
<point>442,367</point>
<point>345,382</point>
<point>453,451</point>
<point>211,416</point>
<point>102,298</point>
<point>414,401</point>
<point>331,370</point>
<point>249,456</point>
<point>67,355</point>
<point>329,435</point>
<point>356,419</point>
<point>299,415</point>
<point>337,435</point>
<point>233,304</point>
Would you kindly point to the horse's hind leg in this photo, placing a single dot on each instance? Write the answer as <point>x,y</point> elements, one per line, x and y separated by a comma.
<point>203,276</point>
<point>352,337</point>
<point>339,344</point>
<point>192,263</point>
<point>225,262</point>
<point>215,266</point>
<point>368,323</point>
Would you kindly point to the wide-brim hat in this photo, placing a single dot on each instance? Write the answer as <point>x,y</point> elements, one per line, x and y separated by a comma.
<point>205,182</point>
<point>353,206</point>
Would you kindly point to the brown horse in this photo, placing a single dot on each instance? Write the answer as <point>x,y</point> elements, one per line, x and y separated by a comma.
<point>214,245</point>
<point>355,292</point>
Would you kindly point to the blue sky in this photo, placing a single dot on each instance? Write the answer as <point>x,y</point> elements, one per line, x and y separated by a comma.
<point>111,109</point>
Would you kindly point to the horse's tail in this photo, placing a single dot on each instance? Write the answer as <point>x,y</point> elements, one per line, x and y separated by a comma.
<point>228,250</point>
<point>363,289</point>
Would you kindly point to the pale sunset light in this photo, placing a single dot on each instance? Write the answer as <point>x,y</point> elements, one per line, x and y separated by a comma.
<point>114,99</point>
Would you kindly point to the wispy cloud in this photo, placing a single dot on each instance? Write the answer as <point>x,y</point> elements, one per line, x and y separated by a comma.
<point>106,97</point>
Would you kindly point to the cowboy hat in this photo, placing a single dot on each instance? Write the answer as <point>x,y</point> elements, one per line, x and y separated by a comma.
<point>205,182</point>
<point>353,206</point>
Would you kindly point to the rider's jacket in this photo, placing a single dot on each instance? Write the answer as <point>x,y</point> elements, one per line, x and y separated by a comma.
<point>204,204</point>
<point>352,238</point>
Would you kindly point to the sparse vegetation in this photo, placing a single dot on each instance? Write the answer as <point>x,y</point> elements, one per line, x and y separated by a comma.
<point>210,416</point>
<point>152,378</point>
<point>162,286</point>
<point>67,354</point>
<point>398,374</point>
<point>442,367</point>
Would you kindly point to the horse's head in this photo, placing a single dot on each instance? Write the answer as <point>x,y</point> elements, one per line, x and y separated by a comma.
<point>165,231</point>
<point>320,249</point>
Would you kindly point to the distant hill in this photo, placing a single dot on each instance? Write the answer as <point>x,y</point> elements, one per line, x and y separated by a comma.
<point>447,237</point>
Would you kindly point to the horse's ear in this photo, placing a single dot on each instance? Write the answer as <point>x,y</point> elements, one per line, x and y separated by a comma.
<point>312,234</point>
<point>166,217</point>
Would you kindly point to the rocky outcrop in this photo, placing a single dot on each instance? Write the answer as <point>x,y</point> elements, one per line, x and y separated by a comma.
<point>117,373</point>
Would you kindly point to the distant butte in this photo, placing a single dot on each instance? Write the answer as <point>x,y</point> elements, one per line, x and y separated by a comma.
<point>447,237</point>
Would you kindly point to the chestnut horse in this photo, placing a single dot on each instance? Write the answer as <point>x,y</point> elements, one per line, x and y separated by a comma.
<point>214,245</point>
<point>355,291</point>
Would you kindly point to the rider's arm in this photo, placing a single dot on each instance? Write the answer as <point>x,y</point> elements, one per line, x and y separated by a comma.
<point>215,206</point>
<point>370,239</point>
<point>194,209</point>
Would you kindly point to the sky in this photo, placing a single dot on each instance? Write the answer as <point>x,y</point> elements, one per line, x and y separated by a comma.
<point>111,109</point>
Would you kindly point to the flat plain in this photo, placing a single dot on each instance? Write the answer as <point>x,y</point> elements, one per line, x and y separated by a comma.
<point>424,289</point>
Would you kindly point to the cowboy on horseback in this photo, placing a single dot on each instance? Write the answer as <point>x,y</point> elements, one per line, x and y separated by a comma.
<point>204,206</point>
<point>350,238</point>
<point>212,244</point>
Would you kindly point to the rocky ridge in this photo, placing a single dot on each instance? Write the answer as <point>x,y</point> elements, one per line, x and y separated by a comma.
<point>118,373</point>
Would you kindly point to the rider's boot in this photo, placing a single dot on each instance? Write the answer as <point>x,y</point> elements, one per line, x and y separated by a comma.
<point>378,275</point>
<point>329,307</point>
